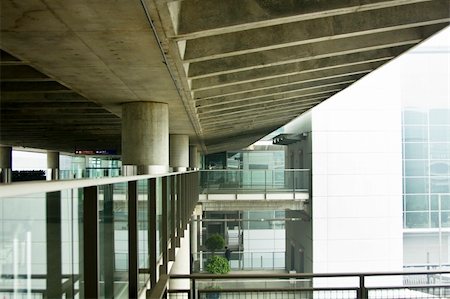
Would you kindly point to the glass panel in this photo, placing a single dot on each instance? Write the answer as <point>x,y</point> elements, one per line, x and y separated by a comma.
<point>416,133</point>
<point>120,193</point>
<point>445,202</point>
<point>416,168</point>
<point>440,116</point>
<point>142,186</point>
<point>32,228</point>
<point>434,219</point>
<point>445,219</point>
<point>440,133</point>
<point>417,219</point>
<point>414,117</point>
<point>416,202</point>
<point>416,151</point>
<point>158,217</point>
<point>440,150</point>
<point>416,185</point>
<point>440,184</point>
<point>440,167</point>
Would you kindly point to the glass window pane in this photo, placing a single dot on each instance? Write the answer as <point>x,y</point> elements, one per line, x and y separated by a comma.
<point>435,202</point>
<point>440,167</point>
<point>416,133</point>
<point>440,133</point>
<point>416,151</point>
<point>434,219</point>
<point>440,150</point>
<point>416,168</point>
<point>445,219</point>
<point>417,220</point>
<point>440,116</point>
<point>445,202</point>
<point>416,185</point>
<point>416,202</point>
<point>414,117</point>
<point>440,184</point>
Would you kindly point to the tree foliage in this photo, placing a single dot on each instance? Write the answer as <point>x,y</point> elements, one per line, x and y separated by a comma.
<point>215,242</point>
<point>218,265</point>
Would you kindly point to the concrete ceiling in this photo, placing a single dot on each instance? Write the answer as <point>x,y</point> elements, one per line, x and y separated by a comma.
<point>231,71</point>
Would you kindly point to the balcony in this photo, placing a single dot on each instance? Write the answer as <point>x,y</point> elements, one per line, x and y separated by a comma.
<point>270,189</point>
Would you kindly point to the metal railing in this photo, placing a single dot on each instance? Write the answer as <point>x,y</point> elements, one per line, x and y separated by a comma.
<point>331,285</point>
<point>92,238</point>
<point>245,260</point>
<point>287,181</point>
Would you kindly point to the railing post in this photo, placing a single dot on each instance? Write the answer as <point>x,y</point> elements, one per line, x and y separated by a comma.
<point>363,292</point>
<point>133,270</point>
<point>193,295</point>
<point>265,184</point>
<point>90,242</point>
<point>54,242</point>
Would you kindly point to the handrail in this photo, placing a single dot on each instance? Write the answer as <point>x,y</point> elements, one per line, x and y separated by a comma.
<point>160,288</point>
<point>30,187</point>
<point>302,275</point>
<point>242,170</point>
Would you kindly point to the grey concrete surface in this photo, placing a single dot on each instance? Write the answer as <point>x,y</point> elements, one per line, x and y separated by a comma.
<point>230,71</point>
<point>145,135</point>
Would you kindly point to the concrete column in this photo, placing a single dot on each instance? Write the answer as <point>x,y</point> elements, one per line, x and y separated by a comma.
<point>193,157</point>
<point>5,164</point>
<point>52,166</point>
<point>145,138</point>
<point>179,152</point>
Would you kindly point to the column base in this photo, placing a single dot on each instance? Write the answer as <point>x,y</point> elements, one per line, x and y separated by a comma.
<point>5,175</point>
<point>128,170</point>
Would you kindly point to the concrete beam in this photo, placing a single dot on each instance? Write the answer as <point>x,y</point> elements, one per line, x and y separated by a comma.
<point>260,115</point>
<point>235,15</point>
<point>288,80</point>
<point>252,105</point>
<point>299,67</point>
<point>280,92</point>
<point>316,30</point>
<point>25,86</point>
<point>21,73</point>
<point>328,48</point>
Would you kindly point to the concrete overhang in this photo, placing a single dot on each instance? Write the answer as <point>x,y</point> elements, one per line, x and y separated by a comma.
<point>231,71</point>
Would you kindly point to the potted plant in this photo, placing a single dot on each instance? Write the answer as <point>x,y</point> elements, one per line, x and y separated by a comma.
<point>216,264</point>
<point>215,242</point>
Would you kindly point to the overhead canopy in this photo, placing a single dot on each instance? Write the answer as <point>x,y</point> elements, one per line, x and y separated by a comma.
<point>231,71</point>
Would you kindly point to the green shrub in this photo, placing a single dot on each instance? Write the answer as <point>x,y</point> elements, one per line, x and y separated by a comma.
<point>215,242</point>
<point>218,265</point>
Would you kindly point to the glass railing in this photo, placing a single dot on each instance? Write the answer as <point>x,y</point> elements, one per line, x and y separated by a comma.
<point>254,181</point>
<point>54,242</point>
<point>244,260</point>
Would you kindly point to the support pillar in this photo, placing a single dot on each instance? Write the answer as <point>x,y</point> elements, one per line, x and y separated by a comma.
<point>193,157</point>
<point>179,152</point>
<point>52,166</point>
<point>5,164</point>
<point>145,138</point>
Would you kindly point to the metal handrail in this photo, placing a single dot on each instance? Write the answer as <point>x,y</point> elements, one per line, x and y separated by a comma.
<point>24,188</point>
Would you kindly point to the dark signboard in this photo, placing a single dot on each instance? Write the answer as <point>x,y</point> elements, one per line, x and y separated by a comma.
<point>96,152</point>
